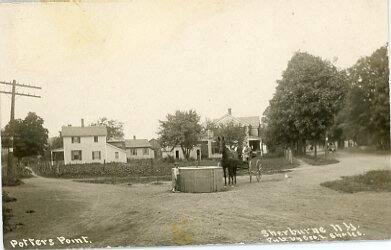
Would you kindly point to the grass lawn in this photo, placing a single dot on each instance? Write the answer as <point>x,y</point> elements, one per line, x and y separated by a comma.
<point>364,149</point>
<point>320,160</point>
<point>375,180</point>
<point>277,163</point>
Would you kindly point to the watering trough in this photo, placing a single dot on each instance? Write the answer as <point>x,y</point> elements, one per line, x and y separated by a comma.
<point>205,179</point>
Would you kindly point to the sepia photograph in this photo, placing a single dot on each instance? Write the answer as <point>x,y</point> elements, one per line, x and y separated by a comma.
<point>194,123</point>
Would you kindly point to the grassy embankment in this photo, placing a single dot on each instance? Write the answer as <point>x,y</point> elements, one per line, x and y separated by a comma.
<point>320,160</point>
<point>375,180</point>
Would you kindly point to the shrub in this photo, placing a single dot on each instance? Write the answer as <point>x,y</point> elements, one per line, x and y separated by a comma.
<point>7,214</point>
<point>169,159</point>
<point>145,167</point>
<point>6,198</point>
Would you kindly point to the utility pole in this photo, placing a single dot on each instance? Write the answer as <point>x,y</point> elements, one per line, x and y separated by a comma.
<point>12,117</point>
<point>10,159</point>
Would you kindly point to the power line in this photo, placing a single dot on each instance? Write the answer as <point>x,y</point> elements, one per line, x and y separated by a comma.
<point>21,94</point>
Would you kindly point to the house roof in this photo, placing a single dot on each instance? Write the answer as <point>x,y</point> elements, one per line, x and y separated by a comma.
<point>137,143</point>
<point>113,140</point>
<point>117,148</point>
<point>251,120</point>
<point>84,131</point>
<point>247,120</point>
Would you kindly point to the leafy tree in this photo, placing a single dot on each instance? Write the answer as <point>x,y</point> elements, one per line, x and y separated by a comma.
<point>56,142</point>
<point>115,129</point>
<point>307,98</point>
<point>181,129</point>
<point>30,137</point>
<point>8,132</point>
<point>269,131</point>
<point>233,133</point>
<point>367,110</point>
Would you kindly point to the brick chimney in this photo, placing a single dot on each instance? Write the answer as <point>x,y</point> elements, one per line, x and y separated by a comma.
<point>82,122</point>
<point>230,111</point>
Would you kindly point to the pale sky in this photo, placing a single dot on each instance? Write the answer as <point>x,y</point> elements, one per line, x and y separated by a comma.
<point>137,61</point>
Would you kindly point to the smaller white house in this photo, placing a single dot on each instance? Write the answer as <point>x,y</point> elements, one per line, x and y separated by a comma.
<point>177,153</point>
<point>139,149</point>
<point>135,148</point>
<point>115,154</point>
<point>88,145</point>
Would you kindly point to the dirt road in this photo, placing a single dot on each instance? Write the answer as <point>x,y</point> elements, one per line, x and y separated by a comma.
<point>148,214</point>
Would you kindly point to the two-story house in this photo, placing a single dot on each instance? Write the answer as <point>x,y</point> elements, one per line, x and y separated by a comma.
<point>88,145</point>
<point>252,125</point>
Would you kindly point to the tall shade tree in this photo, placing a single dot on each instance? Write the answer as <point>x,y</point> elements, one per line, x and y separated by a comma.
<point>30,137</point>
<point>115,129</point>
<point>181,129</point>
<point>307,98</point>
<point>234,134</point>
<point>367,108</point>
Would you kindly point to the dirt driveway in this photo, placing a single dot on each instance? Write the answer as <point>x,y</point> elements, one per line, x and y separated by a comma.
<point>148,214</point>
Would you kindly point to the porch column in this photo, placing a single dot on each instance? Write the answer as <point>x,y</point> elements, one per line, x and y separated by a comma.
<point>260,147</point>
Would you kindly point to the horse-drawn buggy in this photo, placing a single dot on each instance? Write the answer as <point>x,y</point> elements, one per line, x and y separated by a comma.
<point>210,178</point>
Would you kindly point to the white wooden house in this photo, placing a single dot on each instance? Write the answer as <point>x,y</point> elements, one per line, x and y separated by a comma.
<point>135,148</point>
<point>177,153</point>
<point>88,145</point>
<point>139,149</point>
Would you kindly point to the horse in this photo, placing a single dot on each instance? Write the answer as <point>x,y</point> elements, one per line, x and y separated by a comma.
<point>228,162</point>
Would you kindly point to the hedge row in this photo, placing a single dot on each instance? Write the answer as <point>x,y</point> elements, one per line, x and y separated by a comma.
<point>133,168</point>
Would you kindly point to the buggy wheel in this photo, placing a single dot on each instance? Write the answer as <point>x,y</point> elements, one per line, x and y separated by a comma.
<point>259,176</point>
